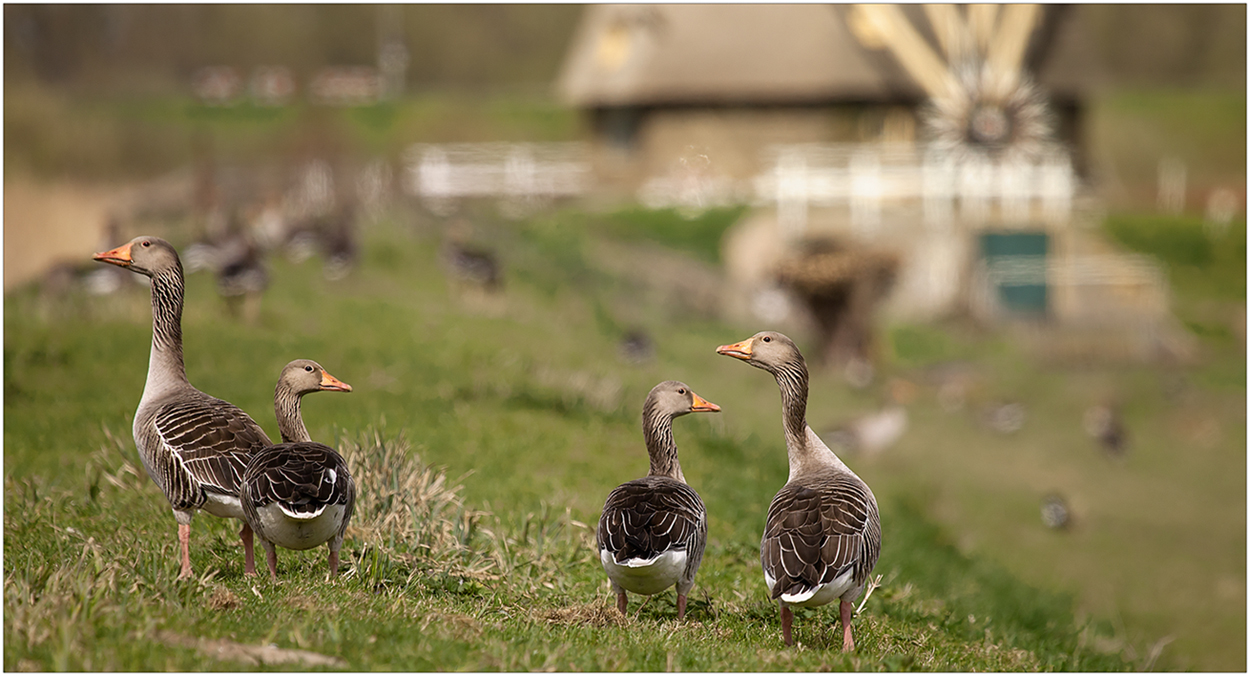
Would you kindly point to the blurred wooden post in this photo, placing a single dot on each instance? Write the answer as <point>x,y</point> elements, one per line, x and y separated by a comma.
<point>1172,178</point>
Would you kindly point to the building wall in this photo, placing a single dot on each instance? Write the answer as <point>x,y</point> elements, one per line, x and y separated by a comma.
<point>634,145</point>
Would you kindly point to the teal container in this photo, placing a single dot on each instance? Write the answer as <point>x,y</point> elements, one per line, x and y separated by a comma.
<point>1017,262</point>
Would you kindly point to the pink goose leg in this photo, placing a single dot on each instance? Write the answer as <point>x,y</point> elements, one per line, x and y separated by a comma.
<point>184,539</point>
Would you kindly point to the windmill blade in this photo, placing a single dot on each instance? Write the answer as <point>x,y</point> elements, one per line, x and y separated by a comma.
<point>953,34</point>
<point>981,19</point>
<point>1006,51</point>
<point>891,27</point>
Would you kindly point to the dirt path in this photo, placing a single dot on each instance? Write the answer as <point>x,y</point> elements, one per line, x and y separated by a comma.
<point>48,222</point>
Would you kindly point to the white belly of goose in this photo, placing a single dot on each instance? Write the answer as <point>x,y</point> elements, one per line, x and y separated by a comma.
<point>280,528</point>
<point>825,593</point>
<point>645,576</point>
<point>223,506</point>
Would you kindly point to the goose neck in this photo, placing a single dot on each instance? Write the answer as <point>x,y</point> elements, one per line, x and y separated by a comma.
<point>792,380</point>
<point>657,431</point>
<point>806,452</point>
<point>286,408</point>
<point>166,369</point>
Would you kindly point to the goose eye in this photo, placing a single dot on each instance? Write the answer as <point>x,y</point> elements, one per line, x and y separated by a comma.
<point>308,368</point>
<point>146,243</point>
<point>680,391</point>
<point>768,339</point>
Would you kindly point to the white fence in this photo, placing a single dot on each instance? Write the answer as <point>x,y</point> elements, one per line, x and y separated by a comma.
<point>441,174</point>
<point>870,179</point>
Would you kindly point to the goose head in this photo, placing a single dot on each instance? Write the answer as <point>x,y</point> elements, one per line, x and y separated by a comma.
<point>303,376</point>
<point>145,255</point>
<point>672,398</point>
<point>766,350</point>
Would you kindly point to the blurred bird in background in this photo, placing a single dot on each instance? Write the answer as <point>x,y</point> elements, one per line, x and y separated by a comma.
<point>1104,424</point>
<point>470,268</point>
<point>1055,512</point>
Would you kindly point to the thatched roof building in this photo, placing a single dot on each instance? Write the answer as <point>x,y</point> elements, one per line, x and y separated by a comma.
<point>646,74</point>
<point>682,55</point>
<point>762,54</point>
<point>832,115</point>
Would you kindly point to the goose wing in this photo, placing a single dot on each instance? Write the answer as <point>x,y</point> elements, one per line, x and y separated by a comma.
<point>647,517</point>
<point>212,440</point>
<point>819,529</point>
<point>303,478</point>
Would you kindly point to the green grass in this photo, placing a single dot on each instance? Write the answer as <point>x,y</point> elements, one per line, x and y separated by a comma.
<point>104,139</point>
<point>505,422</point>
<point>698,234</point>
<point>91,587</point>
<point>1201,264</point>
<point>1207,271</point>
<point>1131,130</point>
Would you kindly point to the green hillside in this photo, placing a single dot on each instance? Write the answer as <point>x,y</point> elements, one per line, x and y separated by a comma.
<point>485,433</point>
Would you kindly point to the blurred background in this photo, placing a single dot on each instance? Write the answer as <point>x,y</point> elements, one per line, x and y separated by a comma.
<point>1011,239</point>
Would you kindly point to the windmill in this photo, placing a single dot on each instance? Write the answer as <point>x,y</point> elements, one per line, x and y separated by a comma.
<point>981,99</point>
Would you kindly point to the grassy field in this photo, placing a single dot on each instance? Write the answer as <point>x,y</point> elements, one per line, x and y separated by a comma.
<point>486,433</point>
<point>54,135</point>
<point>1129,131</point>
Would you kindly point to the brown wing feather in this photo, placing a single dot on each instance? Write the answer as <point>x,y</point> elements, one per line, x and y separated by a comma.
<point>302,476</point>
<point>817,529</point>
<point>213,439</point>
<point>647,517</point>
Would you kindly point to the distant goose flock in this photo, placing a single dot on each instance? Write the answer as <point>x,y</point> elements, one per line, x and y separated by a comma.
<point>822,532</point>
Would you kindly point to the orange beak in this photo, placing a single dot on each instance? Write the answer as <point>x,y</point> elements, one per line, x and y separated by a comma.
<point>119,256</point>
<point>740,350</point>
<point>701,404</point>
<point>332,384</point>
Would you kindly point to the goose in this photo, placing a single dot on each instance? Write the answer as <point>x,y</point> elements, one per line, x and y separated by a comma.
<point>241,276</point>
<point>1004,417</point>
<point>822,535</point>
<point>193,446</point>
<point>652,531</point>
<point>636,347</point>
<point>1055,511</point>
<point>299,494</point>
<point>1104,424</point>
<point>338,240</point>
<point>469,266</point>
<point>876,431</point>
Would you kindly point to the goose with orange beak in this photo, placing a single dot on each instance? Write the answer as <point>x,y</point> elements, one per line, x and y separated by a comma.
<point>822,535</point>
<point>193,446</point>
<point>299,494</point>
<point>653,530</point>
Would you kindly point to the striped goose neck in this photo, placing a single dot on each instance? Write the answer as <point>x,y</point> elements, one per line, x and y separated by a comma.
<point>657,431</point>
<point>166,369</point>
<point>290,420</point>
<point>792,381</point>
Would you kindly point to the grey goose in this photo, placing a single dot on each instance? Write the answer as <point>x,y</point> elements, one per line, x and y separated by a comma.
<point>822,534</point>
<point>193,446</point>
<point>653,530</point>
<point>299,494</point>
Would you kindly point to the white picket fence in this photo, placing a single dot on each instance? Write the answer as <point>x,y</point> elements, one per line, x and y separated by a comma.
<point>870,180</point>
<point>441,174</point>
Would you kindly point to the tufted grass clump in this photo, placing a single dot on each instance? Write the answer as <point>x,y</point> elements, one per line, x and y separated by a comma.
<point>413,522</point>
<point>411,512</point>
